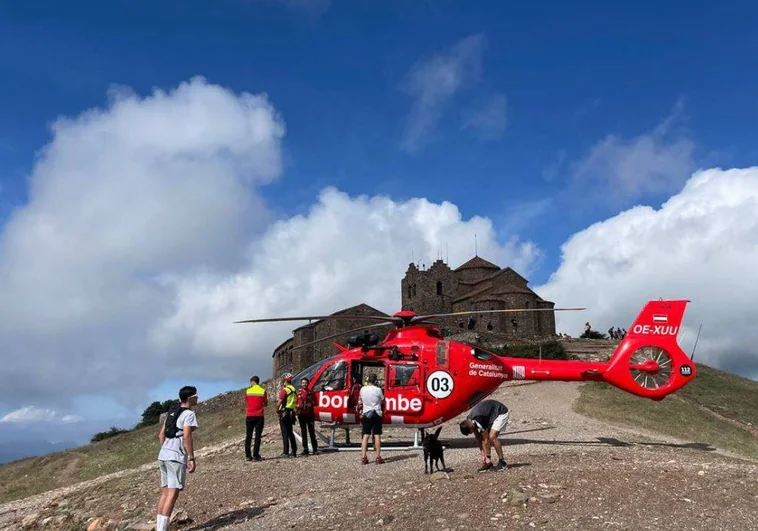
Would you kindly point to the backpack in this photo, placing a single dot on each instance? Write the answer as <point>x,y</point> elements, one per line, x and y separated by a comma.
<point>174,411</point>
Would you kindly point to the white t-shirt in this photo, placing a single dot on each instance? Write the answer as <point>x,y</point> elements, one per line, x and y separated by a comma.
<point>371,398</point>
<point>173,449</point>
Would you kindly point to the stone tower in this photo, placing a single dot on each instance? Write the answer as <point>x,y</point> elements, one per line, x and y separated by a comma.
<point>477,285</point>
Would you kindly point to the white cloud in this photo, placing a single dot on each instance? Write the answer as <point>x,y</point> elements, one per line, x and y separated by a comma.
<point>145,187</point>
<point>488,120</point>
<point>616,169</point>
<point>702,245</point>
<point>344,252</point>
<point>434,81</point>
<point>34,414</point>
<point>144,238</point>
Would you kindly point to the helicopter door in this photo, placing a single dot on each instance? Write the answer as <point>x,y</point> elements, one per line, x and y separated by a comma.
<point>331,392</point>
<point>403,395</point>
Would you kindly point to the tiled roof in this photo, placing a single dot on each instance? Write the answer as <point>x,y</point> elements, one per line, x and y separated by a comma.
<point>476,263</point>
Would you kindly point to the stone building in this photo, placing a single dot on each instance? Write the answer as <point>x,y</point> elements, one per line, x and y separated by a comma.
<point>477,285</point>
<point>304,348</point>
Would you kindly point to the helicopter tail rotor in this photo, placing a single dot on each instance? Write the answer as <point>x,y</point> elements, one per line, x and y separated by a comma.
<point>649,362</point>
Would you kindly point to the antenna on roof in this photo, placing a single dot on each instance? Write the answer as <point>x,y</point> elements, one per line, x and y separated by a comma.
<point>447,253</point>
<point>476,248</point>
<point>692,356</point>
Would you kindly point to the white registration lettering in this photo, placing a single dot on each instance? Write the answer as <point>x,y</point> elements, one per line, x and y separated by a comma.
<point>656,330</point>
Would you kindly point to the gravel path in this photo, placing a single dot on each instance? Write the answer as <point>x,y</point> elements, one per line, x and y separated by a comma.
<point>567,472</point>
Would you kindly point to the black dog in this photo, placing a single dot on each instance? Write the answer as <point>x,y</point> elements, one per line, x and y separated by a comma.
<point>433,451</point>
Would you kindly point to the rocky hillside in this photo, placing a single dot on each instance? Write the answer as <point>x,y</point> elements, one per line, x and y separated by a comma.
<point>623,462</point>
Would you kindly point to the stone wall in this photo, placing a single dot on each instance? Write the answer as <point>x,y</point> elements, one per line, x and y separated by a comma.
<point>477,285</point>
<point>291,357</point>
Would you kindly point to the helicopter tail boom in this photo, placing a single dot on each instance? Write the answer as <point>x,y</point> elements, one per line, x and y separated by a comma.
<point>648,362</point>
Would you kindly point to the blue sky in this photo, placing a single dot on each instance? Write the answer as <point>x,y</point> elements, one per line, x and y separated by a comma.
<point>571,74</point>
<point>566,94</point>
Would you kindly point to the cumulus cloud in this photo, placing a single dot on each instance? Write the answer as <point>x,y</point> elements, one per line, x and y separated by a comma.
<point>701,245</point>
<point>144,187</point>
<point>345,251</point>
<point>144,238</point>
<point>434,81</point>
<point>34,414</point>
<point>617,169</point>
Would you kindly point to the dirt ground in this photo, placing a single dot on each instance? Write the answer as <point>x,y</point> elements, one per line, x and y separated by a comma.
<point>566,472</point>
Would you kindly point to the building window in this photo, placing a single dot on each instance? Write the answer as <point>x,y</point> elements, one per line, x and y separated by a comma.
<point>410,291</point>
<point>414,290</point>
<point>439,288</point>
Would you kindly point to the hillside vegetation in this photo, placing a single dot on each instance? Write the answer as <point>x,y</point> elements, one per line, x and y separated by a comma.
<point>220,418</point>
<point>717,408</point>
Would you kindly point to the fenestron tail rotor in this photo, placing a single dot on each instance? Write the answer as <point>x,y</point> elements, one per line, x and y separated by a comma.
<point>650,367</point>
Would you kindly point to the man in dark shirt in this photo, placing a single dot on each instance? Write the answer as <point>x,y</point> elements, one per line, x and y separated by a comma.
<point>486,420</point>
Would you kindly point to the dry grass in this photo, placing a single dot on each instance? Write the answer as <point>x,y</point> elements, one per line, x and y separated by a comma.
<point>220,418</point>
<point>682,415</point>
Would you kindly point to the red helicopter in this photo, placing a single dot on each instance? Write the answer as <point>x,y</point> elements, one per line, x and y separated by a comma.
<point>428,380</point>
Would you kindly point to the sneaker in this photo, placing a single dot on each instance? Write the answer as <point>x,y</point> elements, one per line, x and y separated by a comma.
<point>305,452</point>
<point>502,465</point>
<point>249,458</point>
<point>379,460</point>
<point>485,467</point>
<point>258,458</point>
<point>364,460</point>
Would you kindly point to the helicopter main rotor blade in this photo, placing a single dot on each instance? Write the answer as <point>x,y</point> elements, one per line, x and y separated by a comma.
<point>388,318</point>
<point>339,334</point>
<point>514,310</point>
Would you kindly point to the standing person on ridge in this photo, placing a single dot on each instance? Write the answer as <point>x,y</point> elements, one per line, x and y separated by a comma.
<point>370,403</point>
<point>177,453</point>
<point>306,399</point>
<point>256,399</point>
<point>286,409</point>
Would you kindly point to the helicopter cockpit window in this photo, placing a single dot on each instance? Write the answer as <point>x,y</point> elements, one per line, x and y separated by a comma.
<point>404,376</point>
<point>433,332</point>
<point>309,372</point>
<point>333,378</point>
<point>481,354</point>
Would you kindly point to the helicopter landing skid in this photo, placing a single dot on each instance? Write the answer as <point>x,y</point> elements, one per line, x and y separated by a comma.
<point>347,446</point>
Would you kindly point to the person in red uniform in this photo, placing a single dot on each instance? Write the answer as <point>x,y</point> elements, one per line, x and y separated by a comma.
<point>256,399</point>
<point>306,399</point>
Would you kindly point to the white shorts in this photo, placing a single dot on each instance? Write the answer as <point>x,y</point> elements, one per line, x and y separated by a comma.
<point>172,474</point>
<point>500,422</point>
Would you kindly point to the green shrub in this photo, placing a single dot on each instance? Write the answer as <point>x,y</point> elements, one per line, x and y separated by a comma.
<point>107,434</point>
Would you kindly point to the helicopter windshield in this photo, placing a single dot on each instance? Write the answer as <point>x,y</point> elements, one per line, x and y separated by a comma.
<point>310,371</point>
